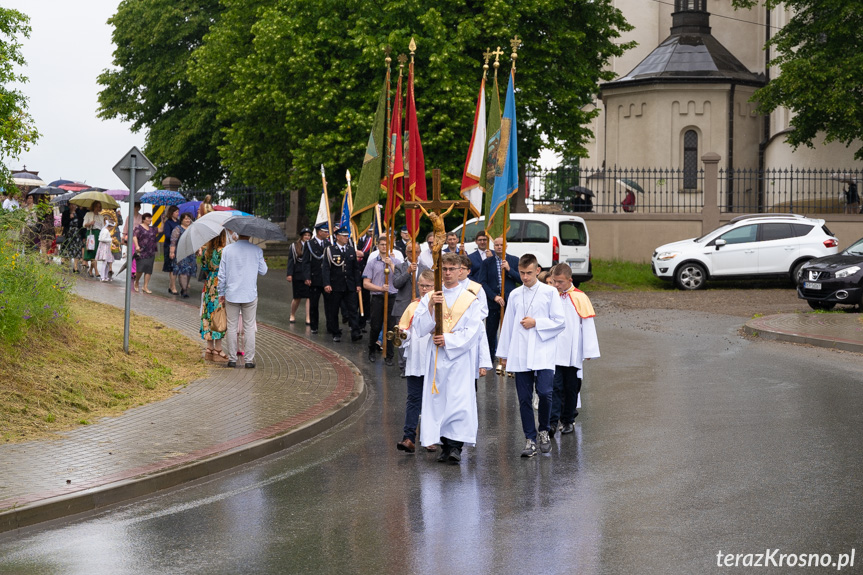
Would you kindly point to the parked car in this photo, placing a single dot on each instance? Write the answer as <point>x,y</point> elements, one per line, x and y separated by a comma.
<point>750,246</point>
<point>552,238</point>
<point>826,281</point>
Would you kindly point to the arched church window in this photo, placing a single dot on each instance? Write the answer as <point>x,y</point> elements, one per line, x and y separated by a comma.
<point>690,160</point>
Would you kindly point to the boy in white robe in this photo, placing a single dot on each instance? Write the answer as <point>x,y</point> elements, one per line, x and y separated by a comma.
<point>575,344</point>
<point>416,348</point>
<point>527,347</point>
<point>449,414</point>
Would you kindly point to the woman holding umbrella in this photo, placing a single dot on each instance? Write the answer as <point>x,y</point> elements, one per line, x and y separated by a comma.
<point>93,224</point>
<point>73,243</point>
<point>167,230</point>
<point>187,267</point>
<point>211,255</point>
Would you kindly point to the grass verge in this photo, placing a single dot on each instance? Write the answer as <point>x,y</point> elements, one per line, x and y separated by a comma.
<point>613,275</point>
<point>73,374</point>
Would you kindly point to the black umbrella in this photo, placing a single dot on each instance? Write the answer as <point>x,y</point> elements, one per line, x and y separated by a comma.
<point>46,191</point>
<point>256,228</point>
<point>63,200</point>
<point>582,190</point>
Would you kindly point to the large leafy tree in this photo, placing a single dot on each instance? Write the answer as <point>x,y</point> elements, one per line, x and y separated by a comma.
<point>149,86</point>
<point>820,55</point>
<point>295,81</point>
<point>17,131</point>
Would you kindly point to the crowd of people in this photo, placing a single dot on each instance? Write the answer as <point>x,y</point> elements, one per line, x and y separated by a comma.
<point>546,328</point>
<point>538,325</point>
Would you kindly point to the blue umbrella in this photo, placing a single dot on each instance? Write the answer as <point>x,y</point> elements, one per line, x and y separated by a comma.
<point>190,207</point>
<point>162,198</point>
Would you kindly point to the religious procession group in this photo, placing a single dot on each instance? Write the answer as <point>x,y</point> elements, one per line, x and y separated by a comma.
<point>444,307</point>
<point>447,338</point>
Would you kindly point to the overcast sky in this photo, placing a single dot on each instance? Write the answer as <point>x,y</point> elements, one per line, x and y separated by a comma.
<point>69,46</point>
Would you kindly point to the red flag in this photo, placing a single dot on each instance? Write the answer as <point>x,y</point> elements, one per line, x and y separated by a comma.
<point>416,161</point>
<point>396,169</point>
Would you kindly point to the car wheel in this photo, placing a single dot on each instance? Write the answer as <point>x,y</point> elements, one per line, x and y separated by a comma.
<point>690,276</point>
<point>796,272</point>
<point>821,304</point>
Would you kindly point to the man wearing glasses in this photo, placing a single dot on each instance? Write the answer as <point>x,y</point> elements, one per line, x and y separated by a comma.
<point>449,400</point>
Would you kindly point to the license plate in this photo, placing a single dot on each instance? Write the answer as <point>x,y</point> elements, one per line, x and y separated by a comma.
<point>811,285</point>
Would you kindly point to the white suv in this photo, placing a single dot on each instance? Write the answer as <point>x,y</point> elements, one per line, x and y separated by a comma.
<point>751,246</point>
<point>552,238</point>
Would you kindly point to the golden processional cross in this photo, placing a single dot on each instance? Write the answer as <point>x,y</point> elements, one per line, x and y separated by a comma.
<point>432,209</point>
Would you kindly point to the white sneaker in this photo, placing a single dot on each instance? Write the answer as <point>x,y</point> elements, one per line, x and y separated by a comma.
<point>544,442</point>
<point>529,449</point>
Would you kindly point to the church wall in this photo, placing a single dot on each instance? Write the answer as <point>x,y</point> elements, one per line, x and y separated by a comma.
<point>648,123</point>
<point>825,156</point>
<point>748,129</point>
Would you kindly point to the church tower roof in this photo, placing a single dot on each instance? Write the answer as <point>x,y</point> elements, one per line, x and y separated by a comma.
<point>690,54</point>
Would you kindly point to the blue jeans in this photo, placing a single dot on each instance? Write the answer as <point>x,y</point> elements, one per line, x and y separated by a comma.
<point>525,381</point>
<point>413,405</point>
<point>567,384</point>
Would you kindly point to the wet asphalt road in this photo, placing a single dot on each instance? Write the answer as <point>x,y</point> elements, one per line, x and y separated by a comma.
<point>691,440</point>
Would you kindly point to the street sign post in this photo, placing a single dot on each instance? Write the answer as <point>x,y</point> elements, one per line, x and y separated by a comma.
<point>126,169</point>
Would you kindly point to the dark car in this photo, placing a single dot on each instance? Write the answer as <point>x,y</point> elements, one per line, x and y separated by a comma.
<point>824,282</point>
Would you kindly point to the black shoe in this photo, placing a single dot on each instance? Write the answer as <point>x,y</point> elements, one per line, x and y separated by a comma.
<point>567,429</point>
<point>337,338</point>
<point>455,455</point>
<point>529,449</point>
<point>356,338</point>
<point>444,454</point>
<point>372,357</point>
<point>250,366</point>
<point>544,442</point>
<point>231,364</point>
<point>388,360</point>
<point>314,332</point>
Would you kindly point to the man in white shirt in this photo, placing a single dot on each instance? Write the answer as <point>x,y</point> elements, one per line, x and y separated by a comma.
<point>242,263</point>
<point>426,258</point>
<point>11,203</point>
<point>527,347</point>
<point>575,344</point>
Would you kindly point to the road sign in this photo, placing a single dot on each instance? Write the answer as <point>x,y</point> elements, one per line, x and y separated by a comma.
<point>124,169</point>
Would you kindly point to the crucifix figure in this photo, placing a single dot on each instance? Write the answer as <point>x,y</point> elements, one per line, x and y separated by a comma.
<point>435,205</point>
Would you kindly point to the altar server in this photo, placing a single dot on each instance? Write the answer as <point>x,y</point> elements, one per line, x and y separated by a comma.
<point>528,347</point>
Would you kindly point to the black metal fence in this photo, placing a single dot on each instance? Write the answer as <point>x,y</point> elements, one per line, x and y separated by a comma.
<point>658,190</point>
<point>273,206</point>
<point>790,190</point>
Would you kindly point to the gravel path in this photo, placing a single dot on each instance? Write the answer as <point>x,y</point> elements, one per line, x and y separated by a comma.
<point>737,302</point>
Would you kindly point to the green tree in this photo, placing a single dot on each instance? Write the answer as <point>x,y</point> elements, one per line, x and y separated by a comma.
<point>819,53</point>
<point>17,131</point>
<point>150,88</point>
<point>295,81</point>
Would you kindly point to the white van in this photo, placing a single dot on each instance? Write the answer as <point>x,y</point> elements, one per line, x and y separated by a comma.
<point>552,238</point>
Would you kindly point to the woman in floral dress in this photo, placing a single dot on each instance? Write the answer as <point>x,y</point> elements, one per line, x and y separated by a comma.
<point>73,245</point>
<point>187,267</point>
<point>211,255</point>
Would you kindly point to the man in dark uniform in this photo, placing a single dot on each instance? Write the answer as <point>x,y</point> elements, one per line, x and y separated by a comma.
<point>402,241</point>
<point>482,252</point>
<point>365,246</point>
<point>313,257</point>
<point>341,279</point>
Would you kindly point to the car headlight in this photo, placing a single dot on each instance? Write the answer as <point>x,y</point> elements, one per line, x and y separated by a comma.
<point>664,256</point>
<point>847,272</point>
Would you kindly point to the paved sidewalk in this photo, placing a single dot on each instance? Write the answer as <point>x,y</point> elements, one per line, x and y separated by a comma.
<point>843,331</point>
<point>225,419</point>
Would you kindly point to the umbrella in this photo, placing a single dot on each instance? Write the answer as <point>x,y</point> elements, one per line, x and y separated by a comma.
<point>219,208</point>
<point>46,191</point>
<point>63,199</point>
<point>631,185</point>
<point>190,207</point>
<point>86,199</point>
<point>582,190</point>
<point>120,195</point>
<point>27,179</point>
<point>844,178</point>
<point>74,187</point>
<point>162,198</point>
<point>203,230</point>
<point>256,228</point>
<point>60,182</point>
